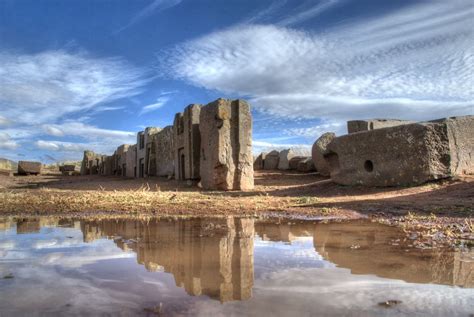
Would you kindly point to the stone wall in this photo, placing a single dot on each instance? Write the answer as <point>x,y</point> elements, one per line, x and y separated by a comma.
<point>121,159</point>
<point>90,163</point>
<point>226,145</point>
<point>163,146</point>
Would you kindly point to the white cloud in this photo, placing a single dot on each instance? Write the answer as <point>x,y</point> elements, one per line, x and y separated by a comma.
<point>416,63</point>
<point>307,11</point>
<point>4,122</point>
<point>45,87</point>
<point>61,146</point>
<point>316,131</point>
<point>154,7</point>
<point>6,142</point>
<point>88,132</point>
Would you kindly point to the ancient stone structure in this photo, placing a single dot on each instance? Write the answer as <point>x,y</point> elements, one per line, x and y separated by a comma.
<point>404,155</point>
<point>284,159</point>
<point>146,160</point>
<point>121,160</point>
<point>293,163</point>
<point>259,162</point>
<point>306,165</point>
<point>29,168</point>
<point>271,160</point>
<point>319,150</point>
<point>67,169</point>
<point>187,143</point>
<point>219,265</point>
<point>367,125</point>
<point>163,147</point>
<point>91,163</point>
<point>177,150</point>
<point>131,161</point>
<point>226,145</point>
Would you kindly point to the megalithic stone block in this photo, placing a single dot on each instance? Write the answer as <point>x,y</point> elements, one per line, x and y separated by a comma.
<point>354,126</point>
<point>319,150</point>
<point>404,155</point>
<point>187,143</point>
<point>226,145</point>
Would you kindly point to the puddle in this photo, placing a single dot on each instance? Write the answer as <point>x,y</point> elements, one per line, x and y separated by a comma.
<point>225,267</point>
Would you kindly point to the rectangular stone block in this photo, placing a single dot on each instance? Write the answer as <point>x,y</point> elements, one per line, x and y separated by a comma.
<point>354,126</point>
<point>187,143</point>
<point>226,145</point>
<point>403,155</point>
<point>27,167</point>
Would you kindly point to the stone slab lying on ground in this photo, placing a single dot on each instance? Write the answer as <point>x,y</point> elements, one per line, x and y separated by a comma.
<point>306,165</point>
<point>319,150</point>
<point>226,161</point>
<point>404,155</point>
<point>293,163</point>
<point>284,160</point>
<point>354,126</point>
<point>271,160</point>
<point>27,167</point>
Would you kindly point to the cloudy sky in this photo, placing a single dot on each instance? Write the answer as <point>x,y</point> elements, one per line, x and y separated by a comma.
<point>90,74</point>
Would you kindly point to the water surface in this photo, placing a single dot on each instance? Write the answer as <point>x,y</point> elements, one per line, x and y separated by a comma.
<point>225,267</point>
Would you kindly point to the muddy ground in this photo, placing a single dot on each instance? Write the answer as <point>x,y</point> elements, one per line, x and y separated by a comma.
<point>445,207</point>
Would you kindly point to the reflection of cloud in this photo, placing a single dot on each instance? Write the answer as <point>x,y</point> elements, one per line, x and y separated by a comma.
<point>336,292</point>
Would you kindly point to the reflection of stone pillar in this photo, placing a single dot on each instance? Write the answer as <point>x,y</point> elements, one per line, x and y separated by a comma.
<point>213,257</point>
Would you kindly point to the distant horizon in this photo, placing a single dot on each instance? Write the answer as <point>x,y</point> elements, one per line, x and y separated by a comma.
<point>89,75</point>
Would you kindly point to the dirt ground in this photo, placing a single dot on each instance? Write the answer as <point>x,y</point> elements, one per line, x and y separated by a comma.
<point>277,192</point>
<point>442,210</point>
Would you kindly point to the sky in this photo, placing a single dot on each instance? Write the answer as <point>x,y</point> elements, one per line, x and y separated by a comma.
<point>84,74</point>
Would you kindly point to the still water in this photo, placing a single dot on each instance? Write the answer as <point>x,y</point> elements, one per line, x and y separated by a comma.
<point>225,267</point>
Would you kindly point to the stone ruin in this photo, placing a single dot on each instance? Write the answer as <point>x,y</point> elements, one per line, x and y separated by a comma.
<point>403,154</point>
<point>29,168</point>
<point>283,160</point>
<point>187,143</point>
<point>222,162</point>
<point>354,126</point>
<point>226,145</point>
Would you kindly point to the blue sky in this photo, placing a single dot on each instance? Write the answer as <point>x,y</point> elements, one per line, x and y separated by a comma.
<point>90,74</point>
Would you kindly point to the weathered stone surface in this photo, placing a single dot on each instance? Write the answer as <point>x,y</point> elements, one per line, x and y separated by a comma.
<point>367,125</point>
<point>130,168</point>
<point>284,159</point>
<point>187,143</point>
<point>319,150</point>
<point>91,163</point>
<point>146,160</point>
<point>259,162</point>
<point>27,167</point>
<point>226,145</point>
<point>164,152</point>
<point>271,160</point>
<point>121,160</point>
<point>461,143</point>
<point>6,168</point>
<point>306,165</point>
<point>293,163</point>
<point>403,155</point>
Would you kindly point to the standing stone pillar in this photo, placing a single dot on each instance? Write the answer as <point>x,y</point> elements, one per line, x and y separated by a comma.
<point>226,145</point>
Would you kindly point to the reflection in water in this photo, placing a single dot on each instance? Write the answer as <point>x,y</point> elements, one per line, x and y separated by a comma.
<point>253,267</point>
<point>206,256</point>
<point>369,248</point>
